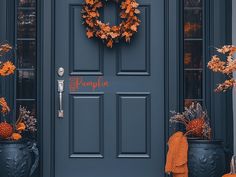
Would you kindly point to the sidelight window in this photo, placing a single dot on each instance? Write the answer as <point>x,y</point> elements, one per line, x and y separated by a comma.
<point>26,60</point>
<point>26,57</point>
<point>193,51</point>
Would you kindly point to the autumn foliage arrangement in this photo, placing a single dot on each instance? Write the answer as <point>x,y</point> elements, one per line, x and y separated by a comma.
<point>25,122</point>
<point>111,34</point>
<point>195,120</point>
<point>224,63</point>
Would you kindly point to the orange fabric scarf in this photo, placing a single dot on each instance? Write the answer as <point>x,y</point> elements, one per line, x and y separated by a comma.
<point>177,156</point>
<point>230,175</point>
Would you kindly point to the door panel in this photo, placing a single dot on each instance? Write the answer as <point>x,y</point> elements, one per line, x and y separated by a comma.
<point>133,138</point>
<point>91,62</point>
<point>113,101</point>
<point>86,125</point>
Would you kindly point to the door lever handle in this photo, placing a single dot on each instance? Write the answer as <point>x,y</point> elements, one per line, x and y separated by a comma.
<point>60,91</point>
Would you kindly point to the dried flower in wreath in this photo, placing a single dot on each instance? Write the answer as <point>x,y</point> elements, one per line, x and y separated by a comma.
<point>194,119</point>
<point>111,34</point>
<point>225,64</point>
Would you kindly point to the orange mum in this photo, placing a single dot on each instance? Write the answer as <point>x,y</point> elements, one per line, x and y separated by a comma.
<point>5,108</point>
<point>7,68</point>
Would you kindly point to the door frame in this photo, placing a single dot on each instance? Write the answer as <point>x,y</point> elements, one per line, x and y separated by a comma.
<point>46,76</point>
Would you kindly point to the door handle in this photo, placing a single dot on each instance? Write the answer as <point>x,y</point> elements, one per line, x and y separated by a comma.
<point>60,91</point>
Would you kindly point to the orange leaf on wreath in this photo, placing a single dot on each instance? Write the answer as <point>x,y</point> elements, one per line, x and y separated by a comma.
<point>134,4</point>
<point>103,36</point>
<point>89,34</point>
<point>128,9</point>
<point>89,23</point>
<point>106,28</point>
<point>123,15</point>
<point>123,5</point>
<point>98,5</point>
<point>93,14</point>
<point>114,35</point>
<point>134,28</point>
<point>137,11</point>
<point>110,44</point>
<point>91,2</point>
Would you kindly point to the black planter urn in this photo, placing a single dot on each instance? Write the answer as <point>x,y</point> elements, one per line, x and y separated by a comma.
<point>16,158</point>
<point>206,158</point>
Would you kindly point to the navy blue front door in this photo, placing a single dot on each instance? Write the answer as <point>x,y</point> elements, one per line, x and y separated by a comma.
<point>113,99</point>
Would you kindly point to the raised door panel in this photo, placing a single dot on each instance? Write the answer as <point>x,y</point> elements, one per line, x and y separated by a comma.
<point>85,58</point>
<point>86,125</point>
<point>133,125</point>
<point>134,58</point>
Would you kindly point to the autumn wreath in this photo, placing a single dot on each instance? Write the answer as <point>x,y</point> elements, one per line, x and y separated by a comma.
<point>110,34</point>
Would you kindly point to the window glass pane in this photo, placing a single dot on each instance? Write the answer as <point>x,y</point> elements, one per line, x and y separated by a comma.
<point>193,54</point>
<point>193,23</point>
<point>26,23</point>
<point>193,84</point>
<point>192,3</point>
<point>26,54</point>
<point>26,85</point>
<point>26,3</point>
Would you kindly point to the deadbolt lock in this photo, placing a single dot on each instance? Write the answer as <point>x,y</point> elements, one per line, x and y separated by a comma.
<point>60,71</point>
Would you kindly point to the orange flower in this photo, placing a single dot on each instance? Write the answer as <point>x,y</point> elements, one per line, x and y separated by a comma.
<point>20,127</point>
<point>4,48</point>
<point>7,68</point>
<point>16,136</point>
<point>5,107</point>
